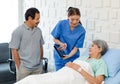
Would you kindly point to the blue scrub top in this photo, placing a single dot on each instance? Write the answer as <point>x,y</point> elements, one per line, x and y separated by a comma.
<point>73,38</point>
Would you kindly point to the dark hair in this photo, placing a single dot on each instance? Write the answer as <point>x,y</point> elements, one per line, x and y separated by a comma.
<point>31,12</point>
<point>101,44</point>
<point>73,11</point>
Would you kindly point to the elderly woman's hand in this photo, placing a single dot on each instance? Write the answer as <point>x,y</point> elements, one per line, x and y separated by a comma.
<point>72,65</point>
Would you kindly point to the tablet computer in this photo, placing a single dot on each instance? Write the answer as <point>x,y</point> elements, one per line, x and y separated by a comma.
<point>60,52</point>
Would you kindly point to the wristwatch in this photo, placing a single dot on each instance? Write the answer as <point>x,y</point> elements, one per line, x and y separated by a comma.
<point>79,69</point>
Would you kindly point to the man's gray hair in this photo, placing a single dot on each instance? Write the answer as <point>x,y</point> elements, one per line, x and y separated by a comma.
<point>101,44</point>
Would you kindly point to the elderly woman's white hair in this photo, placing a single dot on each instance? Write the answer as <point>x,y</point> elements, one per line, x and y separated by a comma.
<point>101,44</point>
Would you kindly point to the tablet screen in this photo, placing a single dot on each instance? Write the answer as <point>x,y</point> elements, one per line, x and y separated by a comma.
<point>60,52</point>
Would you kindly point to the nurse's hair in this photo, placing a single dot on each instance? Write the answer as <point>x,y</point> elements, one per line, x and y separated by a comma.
<point>74,11</point>
<point>101,44</point>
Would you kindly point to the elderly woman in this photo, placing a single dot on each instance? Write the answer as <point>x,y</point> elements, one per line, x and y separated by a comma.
<point>85,70</point>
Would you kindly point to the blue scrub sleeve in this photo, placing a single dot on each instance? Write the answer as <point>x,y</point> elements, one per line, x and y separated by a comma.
<point>79,43</point>
<point>56,31</point>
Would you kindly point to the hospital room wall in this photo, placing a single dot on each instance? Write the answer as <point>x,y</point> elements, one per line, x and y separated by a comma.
<point>101,19</point>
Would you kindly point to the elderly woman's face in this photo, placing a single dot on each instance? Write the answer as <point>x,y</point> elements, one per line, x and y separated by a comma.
<point>94,49</point>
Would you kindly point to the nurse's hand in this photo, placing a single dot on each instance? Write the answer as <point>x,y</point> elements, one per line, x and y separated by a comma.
<point>65,57</point>
<point>62,46</point>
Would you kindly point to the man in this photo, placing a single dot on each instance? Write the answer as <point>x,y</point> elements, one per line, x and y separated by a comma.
<point>27,45</point>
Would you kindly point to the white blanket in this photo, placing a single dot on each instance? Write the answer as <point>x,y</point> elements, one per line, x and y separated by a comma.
<point>65,75</point>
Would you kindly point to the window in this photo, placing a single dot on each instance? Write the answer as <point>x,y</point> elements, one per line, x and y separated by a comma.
<point>8,19</point>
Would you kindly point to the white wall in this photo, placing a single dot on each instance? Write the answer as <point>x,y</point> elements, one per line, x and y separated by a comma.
<point>8,19</point>
<point>101,19</point>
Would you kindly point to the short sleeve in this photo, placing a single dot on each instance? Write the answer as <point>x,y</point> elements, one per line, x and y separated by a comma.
<point>56,31</point>
<point>101,69</point>
<point>41,40</point>
<point>15,39</point>
<point>80,41</point>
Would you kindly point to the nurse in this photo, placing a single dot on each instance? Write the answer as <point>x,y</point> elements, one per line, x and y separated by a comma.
<point>69,34</point>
